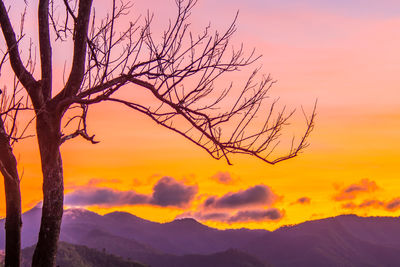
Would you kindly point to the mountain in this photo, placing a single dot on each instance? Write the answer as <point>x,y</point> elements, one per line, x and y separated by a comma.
<point>179,237</point>
<point>30,227</point>
<point>69,255</point>
<point>229,258</point>
<point>381,230</point>
<point>345,240</point>
<point>131,237</point>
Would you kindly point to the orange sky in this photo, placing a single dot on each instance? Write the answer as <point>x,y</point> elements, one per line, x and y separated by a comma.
<point>347,56</point>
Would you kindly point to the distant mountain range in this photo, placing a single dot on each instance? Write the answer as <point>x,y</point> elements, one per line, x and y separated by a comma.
<point>346,240</point>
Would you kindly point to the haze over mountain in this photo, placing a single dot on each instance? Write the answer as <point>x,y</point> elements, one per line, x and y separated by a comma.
<point>346,240</point>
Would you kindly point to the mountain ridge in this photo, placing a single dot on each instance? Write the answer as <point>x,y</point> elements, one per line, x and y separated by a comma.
<point>344,240</point>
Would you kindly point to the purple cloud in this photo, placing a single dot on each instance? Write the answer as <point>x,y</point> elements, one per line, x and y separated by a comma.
<point>349,206</point>
<point>104,197</point>
<point>272,214</point>
<point>350,192</point>
<point>169,192</point>
<point>223,178</point>
<point>391,205</point>
<point>258,195</point>
<point>166,192</point>
<point>205,216</point>
<point>302,200</point>
<point>371,203</point>
<point>252,215</point>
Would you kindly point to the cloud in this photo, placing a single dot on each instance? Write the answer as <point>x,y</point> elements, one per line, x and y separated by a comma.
<point>104,197</point>
<point>166,192</point>
<point>223,178</point>
<point>272,214</point>
<point>252,215</point>
<point>248,205</point>
<point>207,216</point>
<point>349,206</point>
<point>258,195</point>
<point>371,203</point>
<point>351,191</point>
<point>169,192</point>
<point>302,200</point>
<point>368,203</point>
<point>391,205</point>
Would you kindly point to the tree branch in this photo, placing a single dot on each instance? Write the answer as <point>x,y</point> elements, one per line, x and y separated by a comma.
<point>179,71</point>
<point>45,48</point>
<point>18,67</point>
<point>80,42</point>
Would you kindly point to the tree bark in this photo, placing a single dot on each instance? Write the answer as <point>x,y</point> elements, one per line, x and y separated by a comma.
<point>8,167</point>
<point>48,134</point>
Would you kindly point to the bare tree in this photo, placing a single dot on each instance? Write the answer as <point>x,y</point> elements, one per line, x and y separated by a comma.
<point>12,103</point>
<point>9,108</point>
<point>8,168</point>
<point>179,70</point>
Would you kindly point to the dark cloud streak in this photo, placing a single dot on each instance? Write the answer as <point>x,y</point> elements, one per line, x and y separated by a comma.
<point>391,205</point>
<point>257,215</point>
<point>254,196</point>
<point>252,215</point>
<point>302,201</point>
<point>104,196</point>
<point>351,191</point>
<point>223,178</point>
<point>166,192</point>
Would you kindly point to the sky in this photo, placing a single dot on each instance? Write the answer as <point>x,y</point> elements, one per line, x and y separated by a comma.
<point>343,53</point>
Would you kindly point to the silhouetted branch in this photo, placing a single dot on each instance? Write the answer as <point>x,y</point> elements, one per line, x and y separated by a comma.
<point>24,76</point>
<point>81,129</point>
<point>180,72</point>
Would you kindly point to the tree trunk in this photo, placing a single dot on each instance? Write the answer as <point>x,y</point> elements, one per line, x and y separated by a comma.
<point>48,134</point>
<point>8,167</point>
